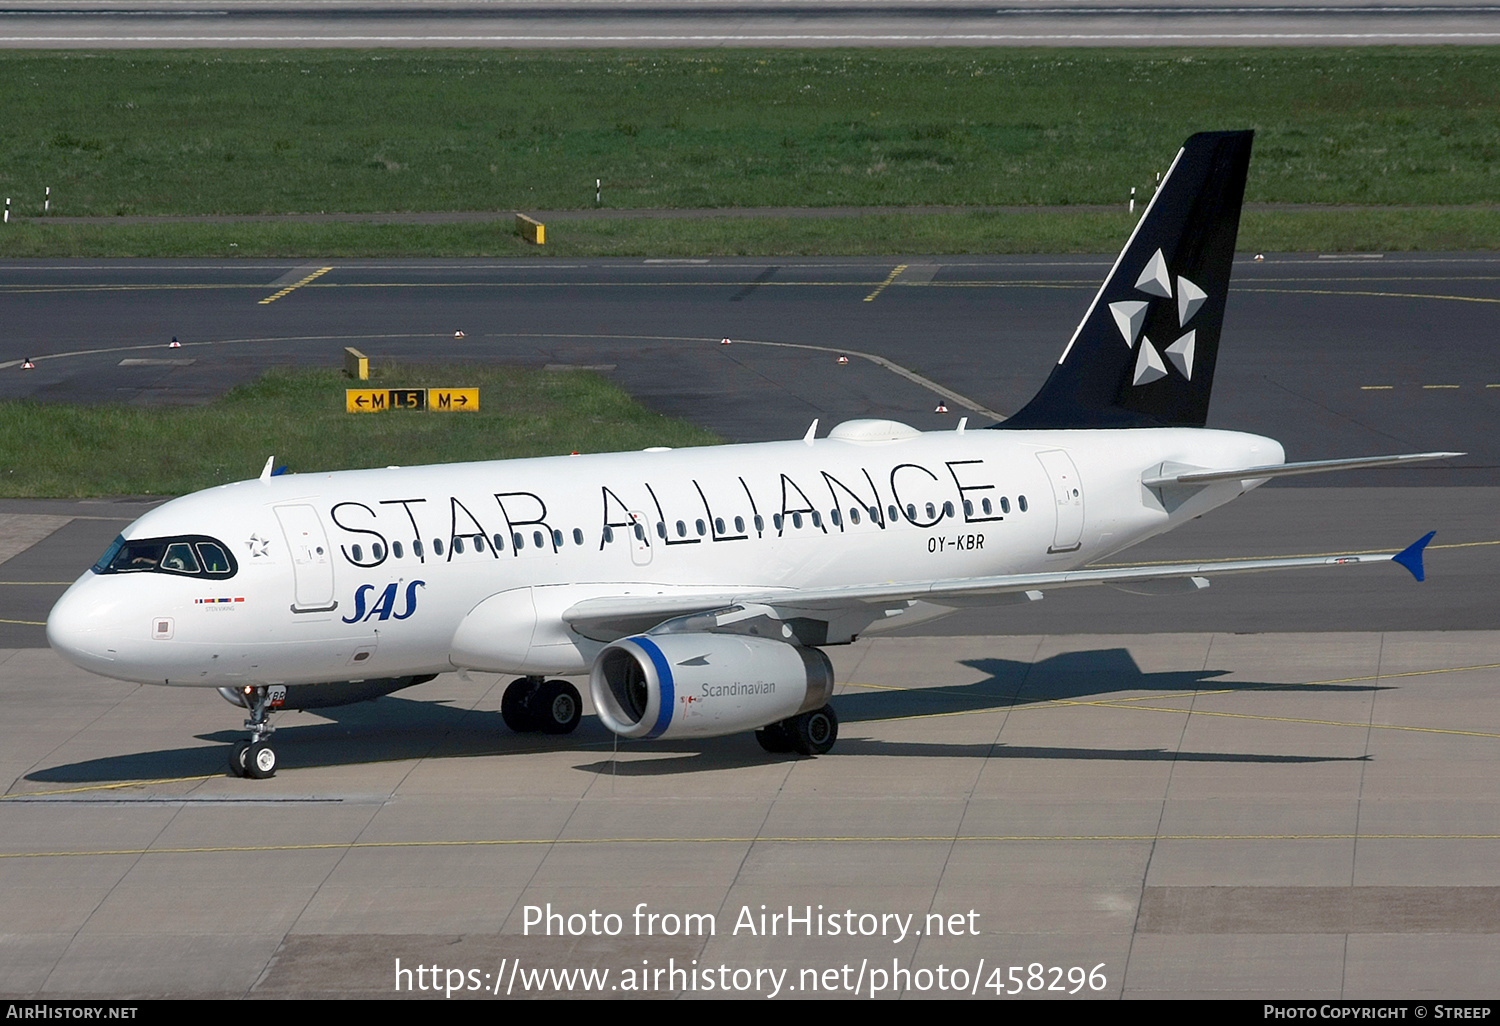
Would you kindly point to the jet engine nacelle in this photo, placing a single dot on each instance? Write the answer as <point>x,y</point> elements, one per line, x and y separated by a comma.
<point>704,685</point>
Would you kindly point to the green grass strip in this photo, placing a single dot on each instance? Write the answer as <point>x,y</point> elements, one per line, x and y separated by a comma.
<point>255,131</point>
<point>299,417</point>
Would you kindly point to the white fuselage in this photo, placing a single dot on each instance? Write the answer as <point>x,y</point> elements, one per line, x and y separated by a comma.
<point>369,574</point>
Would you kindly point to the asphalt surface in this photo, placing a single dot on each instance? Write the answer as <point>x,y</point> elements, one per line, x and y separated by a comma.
<point>1335,356</point>
<point>57,24</point>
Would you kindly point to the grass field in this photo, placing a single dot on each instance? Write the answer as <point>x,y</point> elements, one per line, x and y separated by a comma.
<point>299,417</point>
<point>248,132</point>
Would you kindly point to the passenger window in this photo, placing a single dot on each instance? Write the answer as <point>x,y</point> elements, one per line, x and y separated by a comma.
<point>894,516</point>
<point>776,519</point>
<point>719,525</point>
<point>213,557</point>
<point>797,521</point>
<point>557,539</point>
<point>359,554</point>
<point>609,534</point>
<point>1021,502</point>
<point>498,541</point>
<point>661,530</point>
<point>911,512</point>
<point>838,520</point>
<point>578,535</point>
<point>817,519</point>
<point>396,549</point>
<point>180,559</point>
<point>681,529</point>
<point>1004,504</point>
<point>416,547</point>
<point>853,515</point>
<point>458,546</point>
<point>968,508</point>
<point>377,550</point>
<point>947,509</point>
<point>536,537</point>
<point>931,512</point>
<point>760,524</point>
<point>702,528</point>
<point>640,532</point>
<point>518,541</point>
<point>437,547</point>
<point>987,507</point>
<point>479,543</point>
<point>739,525</point>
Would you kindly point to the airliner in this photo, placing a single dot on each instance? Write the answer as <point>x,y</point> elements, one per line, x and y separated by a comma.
<point>697,587</point>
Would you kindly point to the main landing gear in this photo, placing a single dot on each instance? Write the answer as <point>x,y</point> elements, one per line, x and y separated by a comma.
<point>256,758</point>
<point>809,733</point>
<point>534,705</point>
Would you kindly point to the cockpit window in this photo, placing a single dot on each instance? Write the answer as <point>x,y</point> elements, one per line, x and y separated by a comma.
<point>189,556</point>
<point>180,559</point>
<point>214,559</point>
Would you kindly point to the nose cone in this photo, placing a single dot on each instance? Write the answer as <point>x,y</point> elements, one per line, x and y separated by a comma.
<point>82,632</point>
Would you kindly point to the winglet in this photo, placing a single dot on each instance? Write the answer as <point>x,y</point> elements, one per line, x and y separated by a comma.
<point>265,472</point>
<point>1411,556</point>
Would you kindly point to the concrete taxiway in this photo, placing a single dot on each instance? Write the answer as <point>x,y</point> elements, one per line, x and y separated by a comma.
<point>660,24</point>
<point>1283,786</point>
<point>1308,815</point>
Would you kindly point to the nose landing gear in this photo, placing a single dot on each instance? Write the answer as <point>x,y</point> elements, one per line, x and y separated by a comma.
<point>255,758</point>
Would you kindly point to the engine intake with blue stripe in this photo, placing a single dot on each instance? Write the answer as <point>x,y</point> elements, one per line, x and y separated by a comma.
<point>705,685</point>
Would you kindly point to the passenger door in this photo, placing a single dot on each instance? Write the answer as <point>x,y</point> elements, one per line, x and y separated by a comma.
<point>1067,495</point>
<point>312,564</point>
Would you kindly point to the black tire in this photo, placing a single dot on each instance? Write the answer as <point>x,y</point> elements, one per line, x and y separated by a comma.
<point>260,761</point>
<point>813,733</point>
<point>237,758</point>
<point>775,738</point>
<point>516,705</point>
<point>557,708</point>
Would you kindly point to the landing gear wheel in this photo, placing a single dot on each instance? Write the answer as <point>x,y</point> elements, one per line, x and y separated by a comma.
<point>516,704</point>
<point>813,733</point>
<point>237,765</point>
<point>260,761</point>
<point>556,707</point>
<point>774,737</point>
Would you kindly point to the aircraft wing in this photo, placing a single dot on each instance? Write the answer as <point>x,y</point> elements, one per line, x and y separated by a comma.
<point>847,610</point>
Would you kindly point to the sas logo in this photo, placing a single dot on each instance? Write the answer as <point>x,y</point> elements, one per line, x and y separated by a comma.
<point>384,607</point>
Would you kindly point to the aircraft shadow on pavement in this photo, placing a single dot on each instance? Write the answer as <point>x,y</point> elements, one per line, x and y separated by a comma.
<point>395,728</point>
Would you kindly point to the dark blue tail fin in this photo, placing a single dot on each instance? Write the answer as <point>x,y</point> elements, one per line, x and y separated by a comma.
<point>1144,354</point>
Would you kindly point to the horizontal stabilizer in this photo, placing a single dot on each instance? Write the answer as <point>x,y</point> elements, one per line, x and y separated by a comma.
<point>1176,474</point>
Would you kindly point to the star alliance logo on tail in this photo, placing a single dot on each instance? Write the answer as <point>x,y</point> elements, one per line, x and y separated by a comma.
<point>1130,316</point>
